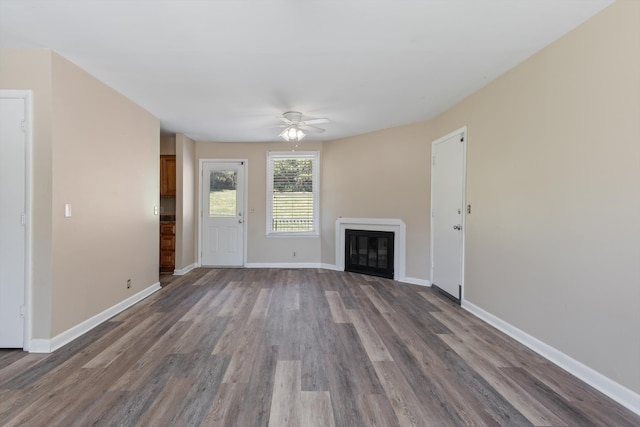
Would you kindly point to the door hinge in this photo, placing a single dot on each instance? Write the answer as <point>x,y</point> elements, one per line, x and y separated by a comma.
<point>23,218</point>
<point>433,214</point>
<point>462,139</point>
<point>433,161</point>
<point>22,310</point>
<point>23,126</point>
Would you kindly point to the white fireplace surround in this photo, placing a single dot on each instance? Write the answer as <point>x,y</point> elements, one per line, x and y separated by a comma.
<point>396,226</point>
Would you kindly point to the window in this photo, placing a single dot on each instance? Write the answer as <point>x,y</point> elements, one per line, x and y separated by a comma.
<point>292,193</point>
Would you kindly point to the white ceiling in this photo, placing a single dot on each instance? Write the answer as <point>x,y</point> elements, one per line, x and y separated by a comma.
<point>221,70</point>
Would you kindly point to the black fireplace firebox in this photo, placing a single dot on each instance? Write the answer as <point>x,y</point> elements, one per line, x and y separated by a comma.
<point>369,252</point>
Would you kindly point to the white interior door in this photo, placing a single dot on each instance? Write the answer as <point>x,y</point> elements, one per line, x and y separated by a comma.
<point>447,213</point>
<point>12,221</point>
<point>223,218</point>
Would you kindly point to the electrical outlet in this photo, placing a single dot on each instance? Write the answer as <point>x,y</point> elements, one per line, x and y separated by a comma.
<point>128,283</point>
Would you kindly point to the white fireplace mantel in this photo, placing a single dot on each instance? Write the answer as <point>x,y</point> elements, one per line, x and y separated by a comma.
<point>396,226</point>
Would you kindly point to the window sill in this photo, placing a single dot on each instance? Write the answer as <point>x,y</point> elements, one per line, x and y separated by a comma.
<point>286,235</point>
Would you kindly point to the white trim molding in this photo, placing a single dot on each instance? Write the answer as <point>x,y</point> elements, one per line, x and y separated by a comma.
<point>396,226</point>
<point>409,280</point>
<point>284,265</point>
<point>329,266</point>
<point>416,281</point>
<point>39,346</point>
<point>48,346</point>
<point>624,396</point>
<point>183,271</point>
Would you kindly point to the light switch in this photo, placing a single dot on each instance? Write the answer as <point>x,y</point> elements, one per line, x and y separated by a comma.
<point>67,210</point>
<point>155,210</point>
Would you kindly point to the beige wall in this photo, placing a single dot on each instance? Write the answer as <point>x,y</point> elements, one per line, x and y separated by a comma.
<point>553,243</point>
<point>185,201</point>
<point>384,174</point>
<point>99,152</point>
<point>168,145</point>
<point>31,70</point>
<point>105,163</point>
<point>261,249</point>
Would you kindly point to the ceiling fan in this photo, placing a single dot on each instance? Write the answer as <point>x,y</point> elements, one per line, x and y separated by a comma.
<point>294,124</point>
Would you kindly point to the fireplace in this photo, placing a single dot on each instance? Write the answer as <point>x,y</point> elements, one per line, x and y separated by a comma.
<point>394,225</point>
<point>369,252</point>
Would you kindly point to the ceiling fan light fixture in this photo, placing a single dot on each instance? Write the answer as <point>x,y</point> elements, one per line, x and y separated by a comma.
<point>292,133</point>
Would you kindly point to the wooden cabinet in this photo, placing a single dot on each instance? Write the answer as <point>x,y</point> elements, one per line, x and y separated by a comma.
<point>167,176</point>
<point>167,247</point>
<point>167,229</point>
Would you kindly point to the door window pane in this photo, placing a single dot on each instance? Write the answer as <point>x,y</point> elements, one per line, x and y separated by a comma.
<point>222,193</point>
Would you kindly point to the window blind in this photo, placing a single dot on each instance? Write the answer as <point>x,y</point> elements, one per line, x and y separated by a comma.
<point>293,196</point>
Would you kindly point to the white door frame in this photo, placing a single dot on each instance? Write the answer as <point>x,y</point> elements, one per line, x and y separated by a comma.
<point>245,201</point>
<point>27,97</point>
<point>462,132</point>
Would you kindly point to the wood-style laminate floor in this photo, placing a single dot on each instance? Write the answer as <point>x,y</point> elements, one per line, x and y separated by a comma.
<point>257,347</point>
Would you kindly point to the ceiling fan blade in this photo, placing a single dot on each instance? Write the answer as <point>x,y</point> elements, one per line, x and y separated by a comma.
<point>312,128</point>
<point>284,119</point>
<point>316,121</point>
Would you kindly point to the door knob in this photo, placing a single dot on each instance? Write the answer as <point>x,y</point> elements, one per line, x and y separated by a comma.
<point>457,227</point>
<point>240,221</point>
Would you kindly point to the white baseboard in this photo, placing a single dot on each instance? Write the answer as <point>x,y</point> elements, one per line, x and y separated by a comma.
<point>624,396</point>
<point>410,280</point>
<point>283,265</point>
<point>183,271</point>
<point>415,281</point>
<point>39,346</point>
<point>48,346</point>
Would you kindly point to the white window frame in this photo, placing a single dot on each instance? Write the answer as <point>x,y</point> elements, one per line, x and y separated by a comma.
<point>315,175</point>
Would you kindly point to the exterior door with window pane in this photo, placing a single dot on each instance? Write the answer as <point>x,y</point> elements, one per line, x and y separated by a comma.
<point>223,219</point>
